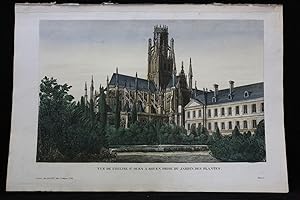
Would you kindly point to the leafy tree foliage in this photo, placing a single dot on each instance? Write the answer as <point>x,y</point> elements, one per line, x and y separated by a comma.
<point>153,133</point>
<point>102,115</point>
<point>70,131</point>
<point>247,134</point>
<point>55,106</point>
<point>238,147</point>
<point>66,131</point>
<point>117,110</point>
<point>193,130</point>
<point>236,132</point>
<point>134,113</point>
<point>217,135</point>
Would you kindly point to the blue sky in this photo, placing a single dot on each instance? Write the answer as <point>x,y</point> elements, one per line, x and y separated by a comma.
<point>221,50</point>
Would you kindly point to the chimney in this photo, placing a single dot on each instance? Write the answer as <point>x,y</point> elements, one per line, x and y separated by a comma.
<point>231,86</point>
<point>216,90</point>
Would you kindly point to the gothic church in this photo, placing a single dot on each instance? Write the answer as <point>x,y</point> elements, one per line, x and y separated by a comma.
<point>162,95</point>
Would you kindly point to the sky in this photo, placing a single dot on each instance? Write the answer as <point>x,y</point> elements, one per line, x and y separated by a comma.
<point>221,50</point>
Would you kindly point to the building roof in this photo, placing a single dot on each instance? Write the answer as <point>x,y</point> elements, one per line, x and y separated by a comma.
<point>129,82</point>
<point>170,84</point>
<point>254,91</point>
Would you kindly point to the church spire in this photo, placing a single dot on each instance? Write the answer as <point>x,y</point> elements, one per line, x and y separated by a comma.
<point>92,89</point>
<point>182,70</point>
<point>117,77</point>
<point>195,93</point>
<point>85,89</point>
<point>190,75</point>
<point>85,93</point>
<point>172,52</point>
<point>173,79</point>
<point>107,82</point>
<point>136,81</point>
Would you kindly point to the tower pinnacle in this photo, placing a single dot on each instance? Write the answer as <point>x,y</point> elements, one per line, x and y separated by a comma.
<point>136,80</point>
<point>182,70</point>
<point>92,89</point>
<point>107,82</point>
<point>190,75</point>
<point>117,77</point>
<point>160,57</point>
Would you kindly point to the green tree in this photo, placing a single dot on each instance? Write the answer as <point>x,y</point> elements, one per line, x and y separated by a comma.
<point>247,134</point>
<point>193,130</point>
<point>259,136</point>
<point>199,130</point>
<point>240,147</point>
<point>102,109</point>
<point>82,103</point>
<point>54,114</point>
<point>66,132</point>
<point>204,131</point>
<point>217,135</point>
<point>102,114</point>
<point>134,112</point>
<point>117,110</point>
<point>236,132</point>
<point>203,136</point>
<point>260,130</point>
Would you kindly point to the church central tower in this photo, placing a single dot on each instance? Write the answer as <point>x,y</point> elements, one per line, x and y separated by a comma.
<point>161,57</point>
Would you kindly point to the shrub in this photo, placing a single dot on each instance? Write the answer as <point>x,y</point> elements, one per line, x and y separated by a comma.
<point>238,147</point>
<point>217,135</point>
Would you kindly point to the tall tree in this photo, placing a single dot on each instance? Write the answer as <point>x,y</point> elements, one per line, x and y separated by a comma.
<point>82,103</point>
<point>217,135</point>
<point>260,130</point>
<point>54,115</point>
<point>102,114</point>
<point>236,132</point>
<point>203,136</point>
<point>118,110</point>
<point>193,130</point>
<point>134,112</point>
<point>92,109</point>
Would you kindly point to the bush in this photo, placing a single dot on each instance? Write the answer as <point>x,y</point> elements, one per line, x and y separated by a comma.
<point>217,135</point>
<point>68,131</point>
<point>238,147</point>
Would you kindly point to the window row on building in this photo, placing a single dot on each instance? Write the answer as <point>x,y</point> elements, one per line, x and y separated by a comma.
<point>230,126</point>
<point>215,112</point>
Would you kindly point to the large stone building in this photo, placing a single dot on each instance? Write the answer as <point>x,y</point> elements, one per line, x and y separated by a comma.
<point>161,95</point>
<point>168,96</point>
<point>241,106</point>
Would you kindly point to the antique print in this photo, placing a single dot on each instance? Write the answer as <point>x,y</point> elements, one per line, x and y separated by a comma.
<point>182,98</point>
<point>151,91</point>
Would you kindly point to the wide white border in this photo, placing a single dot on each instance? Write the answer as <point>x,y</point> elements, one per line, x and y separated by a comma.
<point>24,174</point>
